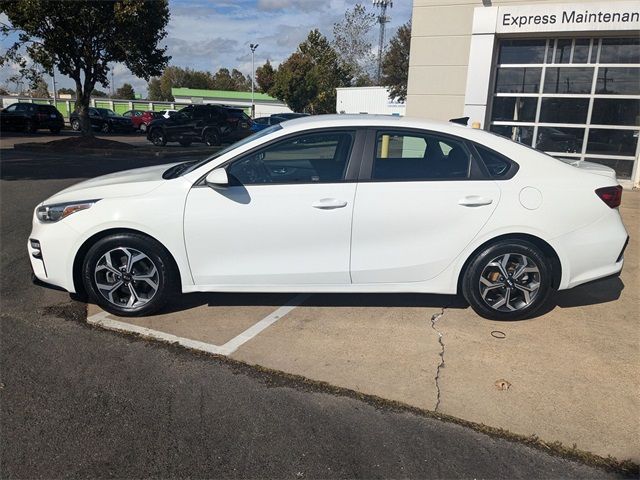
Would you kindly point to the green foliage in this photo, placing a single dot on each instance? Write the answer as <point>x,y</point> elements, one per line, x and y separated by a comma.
<point>66,91</point>
<point>265,77</point>
<point>160,88</point>
<point>126,92</point>
<point>99,94</point>
<point>395,65</point>
<point>352,40</point>
<point>3,91</point>
<point>84,38</point>
<point>308,79</point>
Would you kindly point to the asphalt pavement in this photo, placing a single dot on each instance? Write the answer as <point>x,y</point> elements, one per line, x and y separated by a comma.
<point>81,402</point>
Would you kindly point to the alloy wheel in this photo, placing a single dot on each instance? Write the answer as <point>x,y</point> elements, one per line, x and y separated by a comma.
<point>126,277</point>
<point>510,282</point>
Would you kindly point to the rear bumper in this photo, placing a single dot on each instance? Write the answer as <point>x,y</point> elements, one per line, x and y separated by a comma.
<point>593,252</point>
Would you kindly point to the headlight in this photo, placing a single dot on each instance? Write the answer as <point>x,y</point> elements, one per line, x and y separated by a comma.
<point>58,211</point>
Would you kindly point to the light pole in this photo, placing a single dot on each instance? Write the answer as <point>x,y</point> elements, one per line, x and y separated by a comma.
<point>253,47</point>
<point>382,20</point>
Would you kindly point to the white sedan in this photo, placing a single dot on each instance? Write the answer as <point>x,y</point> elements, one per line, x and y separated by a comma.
<point>338,204</point>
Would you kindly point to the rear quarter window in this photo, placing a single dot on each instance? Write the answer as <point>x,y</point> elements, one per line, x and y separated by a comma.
<point>498,166</point>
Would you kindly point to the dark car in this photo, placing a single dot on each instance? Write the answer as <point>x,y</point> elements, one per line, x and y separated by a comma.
<point>103,119</point>
<point>31,117</point>
<point>263,122</point>
<point>211,124</point>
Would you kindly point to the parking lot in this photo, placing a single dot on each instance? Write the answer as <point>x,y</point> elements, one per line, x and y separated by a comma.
<point>569,375</point>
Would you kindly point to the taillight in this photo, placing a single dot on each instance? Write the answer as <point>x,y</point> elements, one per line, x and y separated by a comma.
<point>612,196</point>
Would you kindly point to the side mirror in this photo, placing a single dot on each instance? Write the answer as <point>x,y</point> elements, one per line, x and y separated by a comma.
<point>217,178</point>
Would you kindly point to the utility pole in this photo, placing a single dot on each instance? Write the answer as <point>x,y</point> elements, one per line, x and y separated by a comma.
<point>55,90</point>
<point>253,47</point>
<point>382,20</point>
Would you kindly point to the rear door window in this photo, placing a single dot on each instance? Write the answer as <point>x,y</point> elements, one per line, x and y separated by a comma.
<point>414,157</point>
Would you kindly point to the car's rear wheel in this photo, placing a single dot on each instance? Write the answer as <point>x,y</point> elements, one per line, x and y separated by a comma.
<point>158,138</point>
<point>75,125</point>
<point>30,127</point>
<point>211,138</point>
<point>508,280</point>
<point>106,128</point>
<point>129,274</point>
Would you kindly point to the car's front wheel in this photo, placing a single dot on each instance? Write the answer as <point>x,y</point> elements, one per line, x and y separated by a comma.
<point>143,128</point>
<point>129,274</point>
<point>212,138</point>
<point>106,128</point>
<point>158,138</point>
<point>75,125</point>
<point>508,280</point>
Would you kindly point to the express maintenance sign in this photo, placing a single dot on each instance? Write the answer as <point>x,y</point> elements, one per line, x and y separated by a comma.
<point>544,17</point>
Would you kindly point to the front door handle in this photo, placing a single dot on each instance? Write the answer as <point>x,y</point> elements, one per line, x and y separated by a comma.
<point>475,201</point>
<point>329,203</point>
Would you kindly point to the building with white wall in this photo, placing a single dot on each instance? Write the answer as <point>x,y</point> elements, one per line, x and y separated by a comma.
<point>373,100</point>
<point>562,78</point>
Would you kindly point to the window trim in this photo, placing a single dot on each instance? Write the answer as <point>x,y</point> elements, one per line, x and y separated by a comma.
<point>353,159</point>
<point>513,168</point>
<point>476,172</point>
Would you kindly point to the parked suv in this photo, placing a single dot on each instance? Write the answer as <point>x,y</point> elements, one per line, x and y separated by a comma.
<point>211,124</point>
<point>103,119</point>
<point>31,117</point>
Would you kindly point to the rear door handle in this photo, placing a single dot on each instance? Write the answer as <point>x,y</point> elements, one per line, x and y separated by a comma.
<point>329,203</point>
<point>475,201</point>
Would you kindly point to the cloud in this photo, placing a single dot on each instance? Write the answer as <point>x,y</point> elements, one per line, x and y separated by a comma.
<point>290,5</point>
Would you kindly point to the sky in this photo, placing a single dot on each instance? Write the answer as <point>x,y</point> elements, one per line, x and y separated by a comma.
<point>210,34</point>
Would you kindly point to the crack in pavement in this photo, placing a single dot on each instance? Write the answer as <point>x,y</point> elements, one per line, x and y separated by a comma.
<point>434,318</point>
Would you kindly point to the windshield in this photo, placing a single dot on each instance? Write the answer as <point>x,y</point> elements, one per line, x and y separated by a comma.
<point>190,166</point>
<point>106,111</point>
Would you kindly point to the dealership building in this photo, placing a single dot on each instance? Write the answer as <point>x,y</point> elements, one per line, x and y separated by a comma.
<point>562,78</point>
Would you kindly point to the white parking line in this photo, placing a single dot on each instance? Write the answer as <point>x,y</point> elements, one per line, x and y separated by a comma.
<point>102,319</point>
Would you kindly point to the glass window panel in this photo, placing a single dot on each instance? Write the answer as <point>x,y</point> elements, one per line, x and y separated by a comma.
<point>612,142</point>
<point>568,80</point>
<point>517,134</point>
<point>623,168</point>
<point>594,50</point>
<point>563,50</point>
<point>419,157</point>
<point>620,50</point>
<point>550,51</point>
<point>522,51</point>
<point>621,81</point>
<point>581,50</point>
<point>560,139</point>
<point>309,158</point>
<point>522,109</point>
<point>615,112</point>
<point>518,80</point>
<point>564,110</point>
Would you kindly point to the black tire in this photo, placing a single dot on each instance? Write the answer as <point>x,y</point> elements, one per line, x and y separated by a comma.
<point>156,256</point>
<point>75,125</point>
<point>143,128</point>
<point>55,131</point>
<point>158,137</point>
<point>30,127</point>
<point>185,143</point>
<point>522,299</point>
<point>106,128</point>
<point>212,137</point>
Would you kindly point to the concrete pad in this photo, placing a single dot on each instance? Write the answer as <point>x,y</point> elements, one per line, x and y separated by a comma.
<point>379,350</point>
<point>214,319</point>
<point>574,372</point>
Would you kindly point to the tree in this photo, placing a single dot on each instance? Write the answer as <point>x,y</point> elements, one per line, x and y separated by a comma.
<point>126,92</point>
<point>3,91</point>
<point>41,89</point>
<point>99,94</point>
<point>66,91</point>
<point>265,76</point>
<point>308,79</point>
<point>395,65</point>
<point>352,41</point>
<point>83,38</point>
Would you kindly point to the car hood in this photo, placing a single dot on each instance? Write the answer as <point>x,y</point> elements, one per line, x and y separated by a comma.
<point>120,184</point>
